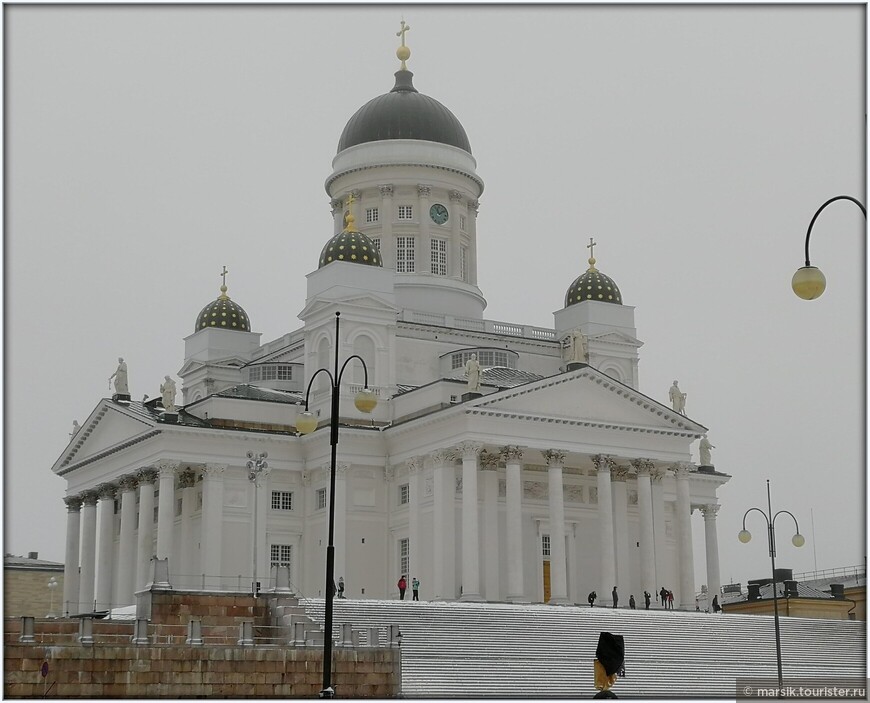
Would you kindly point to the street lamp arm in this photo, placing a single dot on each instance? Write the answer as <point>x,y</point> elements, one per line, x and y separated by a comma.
<point>311,382</point>
<point>344,365</point>
<point>780,512</point>
<point>818,212</point>
<point>763,514</point>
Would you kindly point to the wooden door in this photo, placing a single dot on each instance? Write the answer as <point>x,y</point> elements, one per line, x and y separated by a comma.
<point>546,582</point>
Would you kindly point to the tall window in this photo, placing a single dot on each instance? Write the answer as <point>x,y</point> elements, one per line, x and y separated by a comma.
<point>405,255</point>
<point>371,214</point>
<point>285,372</point>
<point>439,257</point>
<point>404,494</point>
<point>405,212</point>
<point>404,556</point>
<point>463,263</point>
<point>281,554</point>
<point>545,545</point>
<point>462,222</point>
<point>282,500</point>
<point>321,498</point>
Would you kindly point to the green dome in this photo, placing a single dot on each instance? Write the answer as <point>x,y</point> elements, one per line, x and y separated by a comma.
<point>224,314</point>
<point>353,247</point>
<point>593,285</point>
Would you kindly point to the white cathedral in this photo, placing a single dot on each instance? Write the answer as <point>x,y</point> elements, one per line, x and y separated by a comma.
<point>542,476</point>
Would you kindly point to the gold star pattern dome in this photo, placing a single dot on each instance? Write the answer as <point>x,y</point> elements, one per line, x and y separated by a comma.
<point>593,285</point>
<point>353,247</point>
<point>223,314</point>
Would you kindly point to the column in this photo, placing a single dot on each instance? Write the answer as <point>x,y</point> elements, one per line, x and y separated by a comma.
<point>619,477</point>
<point>127,558</point>
<point>414,465</point>
<point>71,558</point>
<point>444,537</point>
<point>607,566</point>
<point>558,566</point>
<point>211,540</point>
<point>341,520</point>
<point>385,217</point>
<point>489,474</point>
<point>473,206</point>
<point>659,534</point>
<point>456,209</point>
<point>684,528</point>
<point>647,533</point>
<point>89,552</point>
<point>512,456</point>
<point>337,210</point>
<point>712,548</point>
<point>166,512</point>
<point>106,517</point>
<point>424,262</point>
<point>187,484</point>
<point>574,595</point>
<point>145,536</point>
<point>470,522</point>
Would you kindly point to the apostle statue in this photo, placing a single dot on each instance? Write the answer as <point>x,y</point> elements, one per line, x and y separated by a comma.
<point>472,373</point>
<point>678,399</point>
<point>579,348</point>
<point>120,376</point>
<point>167,390</point>
<point>704,450</point>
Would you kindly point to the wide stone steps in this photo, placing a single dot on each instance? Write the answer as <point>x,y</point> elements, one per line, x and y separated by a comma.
<point>463,650</point>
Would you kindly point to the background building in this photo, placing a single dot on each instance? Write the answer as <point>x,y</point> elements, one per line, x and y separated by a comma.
<point>26,589</point>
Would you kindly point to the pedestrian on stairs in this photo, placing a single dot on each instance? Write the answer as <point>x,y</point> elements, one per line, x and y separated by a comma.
<point>716,607</point>
<point>402,584</point>
<point>592,596</point>
<point>341,586</point>
<point>663,594</point>
<point>615,597</point>
<point>646,599</point>
<point>415,588</point>
<point>631,603</point>
<point>670,600</point>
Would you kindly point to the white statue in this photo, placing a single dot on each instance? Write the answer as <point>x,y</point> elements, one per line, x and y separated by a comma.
<point>579,348</point>
<point>678,399</point>
<point>75,429</point>
<point>167,389</point>
<point>120,376</point>
<point>704,450</point>
<point>472,373</point>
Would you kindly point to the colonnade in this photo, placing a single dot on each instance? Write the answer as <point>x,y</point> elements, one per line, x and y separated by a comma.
<point>611,502</point>
<point>91,577</point>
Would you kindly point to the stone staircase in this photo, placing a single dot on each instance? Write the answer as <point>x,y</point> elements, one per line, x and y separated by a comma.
<point>473,650</point>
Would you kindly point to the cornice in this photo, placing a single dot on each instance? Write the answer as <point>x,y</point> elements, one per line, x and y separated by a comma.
<point>108,452</point>
<point>371,167</point>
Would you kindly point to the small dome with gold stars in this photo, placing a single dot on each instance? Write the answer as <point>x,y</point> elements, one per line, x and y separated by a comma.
<point>350,245</point>
<point>223,313</point>
<point>593,285</point>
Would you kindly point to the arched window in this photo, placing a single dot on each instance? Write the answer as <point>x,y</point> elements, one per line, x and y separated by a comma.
<point>364,346</point>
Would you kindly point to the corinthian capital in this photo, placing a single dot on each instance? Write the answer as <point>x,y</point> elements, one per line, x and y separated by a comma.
<point>423,190</point>
<point>682,469</point>
<point>469,450</point>
<point>511,453</point>
<point>414,464</point>
<point>214,470</point>
<point>187,479</point>
<point>710,510</point>
<point>642,466</point>
<point>73,503</point>
<point>488,461</point>
<point>106,491</point>
<point>554,457</point>
<point>455,196</point>
<point>603,462</point>
<point>387,190</point>
<point>441,457</point>
<point>146,476</point>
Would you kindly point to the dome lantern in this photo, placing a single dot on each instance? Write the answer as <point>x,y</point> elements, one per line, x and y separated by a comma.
<point>593,285</point>
<point>350,244</point>
<point>223,313</point>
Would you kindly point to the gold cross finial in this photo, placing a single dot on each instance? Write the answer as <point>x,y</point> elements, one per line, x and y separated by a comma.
<point>349,219</point>
<point>403,53</point>
<point>591,247</point>
<point>224,283</point>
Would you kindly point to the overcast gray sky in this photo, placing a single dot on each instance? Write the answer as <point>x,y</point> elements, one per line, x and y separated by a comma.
<point>148,146</point>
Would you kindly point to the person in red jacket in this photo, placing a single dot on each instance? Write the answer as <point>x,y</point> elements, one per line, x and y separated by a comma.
<point>402,586</point>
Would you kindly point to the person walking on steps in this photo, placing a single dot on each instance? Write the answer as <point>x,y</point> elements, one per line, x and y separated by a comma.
<point>592,596</point>
<point>663,594</point>
<point>615,597</point>
<point>415,588</point>
<point>402,584</point>
<point>341,586</point>
<point>631,603</point>
<point>646,599</point>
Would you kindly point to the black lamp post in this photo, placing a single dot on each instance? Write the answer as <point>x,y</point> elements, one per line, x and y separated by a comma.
<point>256,465</point>
<point>798,541</point>
<point>306,422</point>
<point>808,281</point>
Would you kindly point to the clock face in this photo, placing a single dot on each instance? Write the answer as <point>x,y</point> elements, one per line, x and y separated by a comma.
<point>438,213</point>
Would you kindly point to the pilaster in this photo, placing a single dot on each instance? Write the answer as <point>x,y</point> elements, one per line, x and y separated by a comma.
<point>603,465</point>
<point>558,562</point>
<point>470,522</point>
<point>71,556</point>
<point>489,475</point>
<point>444,533</point>
<point>512,456</point>
<point>106,517</point>
<point>89,552</point>
<point>711,541</point>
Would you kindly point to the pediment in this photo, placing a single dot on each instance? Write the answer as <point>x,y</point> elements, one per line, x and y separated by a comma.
<point>229,362</point>
<point>110,427</point>
<point>361,301</point>
<point>618,338</point>
<point>585,397</point>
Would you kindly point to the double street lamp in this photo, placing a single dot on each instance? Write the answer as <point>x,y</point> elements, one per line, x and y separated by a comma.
<point>306,422</point>
<point>809,282</point>
<point>797,540</point>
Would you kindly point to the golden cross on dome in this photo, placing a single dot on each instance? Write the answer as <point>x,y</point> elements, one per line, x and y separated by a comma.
<point>592,243</point>
<point>403,53</point>
<point>224,276</point>
<point>350,199</point>
<point>401,32</point>
<point>223,295</point>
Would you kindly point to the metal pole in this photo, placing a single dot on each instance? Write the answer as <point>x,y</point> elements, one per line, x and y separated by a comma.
<point>254,570</point>
<point>771,536</point>
<point>328,691</point>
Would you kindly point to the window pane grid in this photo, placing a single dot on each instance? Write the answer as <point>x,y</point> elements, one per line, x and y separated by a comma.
<point>439,257</point>
<point>282,500</point>
<point>404,556</point>
<point>371,214</point>
<point>405,212</point>
<point>404,254</point>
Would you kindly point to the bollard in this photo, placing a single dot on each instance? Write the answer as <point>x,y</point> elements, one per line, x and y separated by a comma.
<point>246,633</point>
<point>140,632</point>
<point>86,631</point>
<point>27,625</point>
<point>298,639</point>
<point>194,632</point>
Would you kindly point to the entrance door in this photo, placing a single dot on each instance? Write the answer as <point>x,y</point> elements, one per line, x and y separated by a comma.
<point>546,582</point>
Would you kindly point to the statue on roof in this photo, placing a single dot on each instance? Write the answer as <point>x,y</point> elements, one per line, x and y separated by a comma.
<point>120,376</point>
<point>75,428</point>
<point>472,373</point>
<point>704,450</point>
<point>167,390</point>
<point>678,399</point>
<point>579,348</point>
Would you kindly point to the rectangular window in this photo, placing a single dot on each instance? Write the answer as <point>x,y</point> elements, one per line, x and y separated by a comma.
<point>404,494</point>
<point>270,373</point>
<point>285,373</point>
<point>371,214</point>
<point>282,500</point>
<point>405,212</point>
<point>281,554</point>
<point>545,545</point>
<point>463,263</point>
<point>439,257</point>
<point>405,255</point>
<point>462,222</point>
<point>320,497</point>
<point>253,374</point>
<point>404,556</point>
<point>377,242</point>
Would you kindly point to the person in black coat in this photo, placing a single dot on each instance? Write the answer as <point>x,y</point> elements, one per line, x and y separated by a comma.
<point>615,597</point>
<point>646,599</point>
<point>592,596</point>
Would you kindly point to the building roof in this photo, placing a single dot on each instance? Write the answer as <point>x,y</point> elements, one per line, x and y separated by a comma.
<point>246,391</point>
<point>10,561</point>
<point>593,285</point>
<point>223,314</point>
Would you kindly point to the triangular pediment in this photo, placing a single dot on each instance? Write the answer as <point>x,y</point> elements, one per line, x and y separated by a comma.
<point>363,301</point>
<point>619,338</point>
<point>585,397</point>
<point>109,427</point>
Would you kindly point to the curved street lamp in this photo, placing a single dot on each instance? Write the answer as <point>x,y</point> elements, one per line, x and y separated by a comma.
<point>808,281</point>
<point>256,465</point>
<point>52,584</point>
<point>797,540</point>
<point>306,422</point>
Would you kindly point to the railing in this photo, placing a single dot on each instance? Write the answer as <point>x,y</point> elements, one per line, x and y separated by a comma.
<point>856,572</point>
<point>492,326</point>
